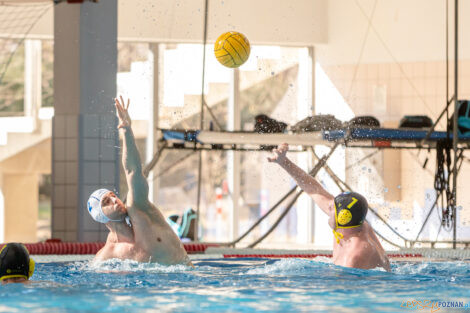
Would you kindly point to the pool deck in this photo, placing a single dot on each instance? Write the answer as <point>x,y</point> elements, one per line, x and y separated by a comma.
<point>410,255</point>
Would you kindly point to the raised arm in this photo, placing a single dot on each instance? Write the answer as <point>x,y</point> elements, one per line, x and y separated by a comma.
<point>136,182</point>
<point>308,184</point>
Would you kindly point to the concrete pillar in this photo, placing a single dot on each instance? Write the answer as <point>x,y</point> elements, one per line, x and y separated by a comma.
<point>21,207</point>
<point>391,170</point>
<point>233,157</point>
<point>306,106</point>
<point>153,124</point>
<point>19,176</point>
<point>85,140</point>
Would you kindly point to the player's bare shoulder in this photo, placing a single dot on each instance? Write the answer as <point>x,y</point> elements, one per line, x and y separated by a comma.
<point>119,250</point>
<point>107,252</point>
<point>362,254</point>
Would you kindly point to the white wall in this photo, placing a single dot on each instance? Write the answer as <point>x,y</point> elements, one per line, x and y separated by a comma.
<point>293,22</point>
<point>413,30</point>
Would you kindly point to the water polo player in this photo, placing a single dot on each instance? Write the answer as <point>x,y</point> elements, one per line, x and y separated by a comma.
<point>355,244</point>
<point>15,264</point>
<point>137,229</point>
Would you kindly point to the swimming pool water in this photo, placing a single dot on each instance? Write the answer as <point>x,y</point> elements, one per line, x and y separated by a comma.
<point>236,285</point>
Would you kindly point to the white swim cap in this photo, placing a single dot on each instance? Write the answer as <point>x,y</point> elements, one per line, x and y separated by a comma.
<point>94,206</point>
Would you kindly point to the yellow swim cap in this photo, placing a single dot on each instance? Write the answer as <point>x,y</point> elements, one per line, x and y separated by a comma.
<point>350,210</point>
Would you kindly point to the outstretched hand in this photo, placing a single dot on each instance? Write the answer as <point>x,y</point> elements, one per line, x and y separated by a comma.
<point>122,113</point>
<point>279,154</point>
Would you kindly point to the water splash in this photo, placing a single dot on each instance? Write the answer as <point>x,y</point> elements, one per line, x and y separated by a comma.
<point>117,265</point>
<point>288,266</point>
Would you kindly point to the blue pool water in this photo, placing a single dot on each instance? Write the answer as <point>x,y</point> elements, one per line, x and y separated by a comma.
<point>236,285</point>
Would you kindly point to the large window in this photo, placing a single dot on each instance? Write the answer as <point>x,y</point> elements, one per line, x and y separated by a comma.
<point>269,84</point>
<point>275,81</point>
<point>47,73</point>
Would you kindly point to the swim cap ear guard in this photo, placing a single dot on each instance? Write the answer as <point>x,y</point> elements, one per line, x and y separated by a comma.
<point>15,262</point>
<point>350,211</point>
<point>32,267</point>
<point>95,209</point>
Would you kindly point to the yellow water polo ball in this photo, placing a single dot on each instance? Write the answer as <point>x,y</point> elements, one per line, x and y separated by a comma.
<point>232,49</point>
<point>344,217</point>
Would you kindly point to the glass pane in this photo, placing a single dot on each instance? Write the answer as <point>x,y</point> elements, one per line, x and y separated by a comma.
<point>47,73</point>
<point>270,85</point>
<point>11,78</point>
<point>135,81</point>
<point>182,84</point>
<point>135,78</point>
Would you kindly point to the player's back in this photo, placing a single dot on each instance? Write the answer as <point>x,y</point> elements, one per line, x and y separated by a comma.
<point>360,251</point>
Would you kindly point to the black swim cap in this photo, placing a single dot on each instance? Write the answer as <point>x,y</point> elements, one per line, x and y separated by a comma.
<point>350,210</point>
<point>15,262</point>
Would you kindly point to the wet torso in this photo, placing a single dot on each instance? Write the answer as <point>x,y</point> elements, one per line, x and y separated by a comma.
<point>360,251</point>
<point>153,240</point>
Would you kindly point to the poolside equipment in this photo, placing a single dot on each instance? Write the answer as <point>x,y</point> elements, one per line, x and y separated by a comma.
<point>364,121</point>
<point>415,121</point>
<point>463,117</point>
<point>232,49</point>
<point>265,124</point>
<point>317,123</point>
<point>15,262</point>
<point>172,220</point>
<point>185,228</point>
<point>352,137</point>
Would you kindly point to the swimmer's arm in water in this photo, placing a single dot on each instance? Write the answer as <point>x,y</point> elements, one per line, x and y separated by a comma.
<point>138,186</point>
<point>308,184</point>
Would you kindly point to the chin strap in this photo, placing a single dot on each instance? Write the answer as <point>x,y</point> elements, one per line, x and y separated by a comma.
<point>338,236</point>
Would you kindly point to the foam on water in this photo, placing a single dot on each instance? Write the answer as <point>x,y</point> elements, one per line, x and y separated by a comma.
<point>287,267</point>
<point>117,265</point>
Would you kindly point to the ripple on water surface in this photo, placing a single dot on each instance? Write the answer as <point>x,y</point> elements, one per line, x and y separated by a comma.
<point>234,285</point>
